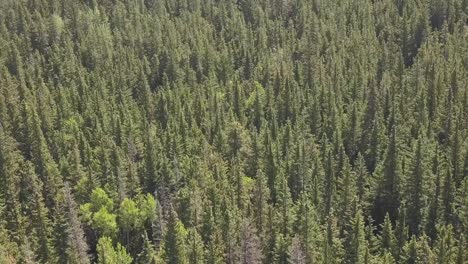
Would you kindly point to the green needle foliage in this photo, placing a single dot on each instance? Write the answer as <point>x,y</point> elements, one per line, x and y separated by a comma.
<point>222,131</point>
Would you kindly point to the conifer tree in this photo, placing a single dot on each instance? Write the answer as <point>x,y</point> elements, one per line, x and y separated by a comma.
<point>174,247</point>
<point>448,198</point>
<point>332,249</point>
<point>9,183</point>
<point>347,202</point>
<point>388,195</point>
<point>41,224</point>
<point>434,210</point>
<point>329,186</point>
<point>388,240</point>
<point>415,200</point>
<point>355,244</point>
<point>309,232</point>
<point>147,254</point>
<point>401,234</point>
<point>297,254</point>
<point>410,252</point>
<point>251,251</point>
<point>445,250</point>
<point>262,127</point>
<point>260,206</point>
<point>195,250</point>
<point>461,252</point>
<point>77,245</point>
<point>270,166</point>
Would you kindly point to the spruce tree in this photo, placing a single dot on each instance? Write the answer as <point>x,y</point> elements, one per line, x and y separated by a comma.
<point>77,245</point>
<point>415,200</point>
<point>355,244</point>
<point>387,198</point>
<point>174,247</point>
<point>195,250</point>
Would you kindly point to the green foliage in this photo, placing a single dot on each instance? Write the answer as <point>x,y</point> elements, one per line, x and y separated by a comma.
<point>105,222</point>
<point>247,131</point>
<point>108,254</point>
<point>174,248</point>
<point>8,249</point>
<point>129,214</point>
<point>100,200</point>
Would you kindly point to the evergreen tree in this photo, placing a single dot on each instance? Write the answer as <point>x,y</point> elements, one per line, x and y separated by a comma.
<point>355,244</point>
<point>401,234</point>
<point>147,254</point>
<point>195,251</point>
<point>332,249</point>
<point>388,195</point>
<point>445,250</point>
<point>329,186</point>
<point>415,200</point>
<point>250,244</point>
<point>259,203</point>
<point>9,183</point>
<point>233,131</point>
<point>448,198</point>
<point>174,247</point>
<point>78,247</point>
<point>434,210</point>
<point>309,232</point>
<point>388,240</point>
<point>410,252</point>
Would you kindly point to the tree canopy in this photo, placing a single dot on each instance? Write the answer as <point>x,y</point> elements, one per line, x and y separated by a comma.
<point>247,131</point>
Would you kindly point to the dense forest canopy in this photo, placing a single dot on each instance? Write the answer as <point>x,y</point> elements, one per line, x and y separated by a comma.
<point>222,131</point>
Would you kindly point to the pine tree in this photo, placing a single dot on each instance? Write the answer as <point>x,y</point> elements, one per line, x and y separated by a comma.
<point>448,198</point>
<point>147,254</point>
<point>363,182</point>
<point>9,182</point>
<point>39,213</point>
<point>195,250</point>
<point>347,201</point>
<point>8,249</point>
<point>425,254</point>
<point>285,214</point>
<point>387,242</point>
<point>355,244</point>
<point>332,249</point>
<point>461,252</point>
<point>351,135</point>
<point>238,101</point>
<point>444,247</point>
<point>369,127</point>
<point>329,185</point>
<point>297,253</point>
<point>415,200</point>
<point>151,170</point>
<point>308,230</point>
<point>410,252</point>
<point>434,211</point>
<point>46,167</point>
<point>260,205</point>
<point>268,129</point>
<point>77,245</point>
<point>270,166</point>
<point>282,252</point>
<point>387,198</point>
<point>251,251</point>
<point>174,247</point>
<point>258,108</point>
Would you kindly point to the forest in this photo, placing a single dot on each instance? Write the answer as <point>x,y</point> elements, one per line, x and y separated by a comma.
<point>234,131</point>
